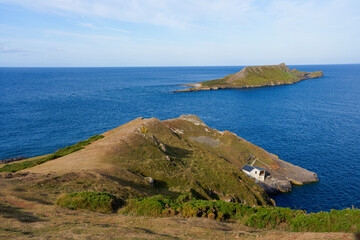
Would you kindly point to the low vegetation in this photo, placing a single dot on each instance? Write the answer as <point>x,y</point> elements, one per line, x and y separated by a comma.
<point>14,167</point>
<point>347,220</point>
<point>94,201</point>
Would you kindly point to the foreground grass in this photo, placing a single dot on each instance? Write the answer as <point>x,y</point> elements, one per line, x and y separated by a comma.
<point>260,217</point>
<point>14,167</point>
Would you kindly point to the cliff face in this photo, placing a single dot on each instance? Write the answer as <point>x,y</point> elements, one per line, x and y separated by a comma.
<point>178,156</point>
<point>256,76</point>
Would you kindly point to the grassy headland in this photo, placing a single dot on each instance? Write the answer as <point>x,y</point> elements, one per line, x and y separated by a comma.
<point>146,157</point>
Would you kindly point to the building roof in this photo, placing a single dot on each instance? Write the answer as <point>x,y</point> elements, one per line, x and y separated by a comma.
<point>248,168</point>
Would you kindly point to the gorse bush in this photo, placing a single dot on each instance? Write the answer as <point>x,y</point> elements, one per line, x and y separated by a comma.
<point>159,205</point>
<point>143,129</point>
<point>272,217</point>
<point>14,167</point>
<point>94,201</point>
<point>260,217</point>
<point>152,206</point>
<point>347,220</point>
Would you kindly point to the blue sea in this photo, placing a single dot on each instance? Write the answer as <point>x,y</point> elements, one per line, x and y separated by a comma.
<point>314,124</point>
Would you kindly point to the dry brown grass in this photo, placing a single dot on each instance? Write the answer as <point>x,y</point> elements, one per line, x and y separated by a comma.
<point>56,223</point>
<point>31,214</point>
<point>94,155</point>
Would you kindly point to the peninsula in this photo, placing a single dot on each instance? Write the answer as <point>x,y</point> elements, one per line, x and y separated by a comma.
<point>255,76</point>
<point>146,157</point>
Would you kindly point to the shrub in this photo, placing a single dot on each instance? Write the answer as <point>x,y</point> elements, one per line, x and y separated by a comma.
<point>159,205</point>
<point>271,217</point>
<point>94,201</point>
<point>151,206</point>
<point>335,221</point>
<point>143,129</point>
<point>259,217</point>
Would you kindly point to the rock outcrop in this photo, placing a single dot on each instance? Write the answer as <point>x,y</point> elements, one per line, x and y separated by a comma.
<point>283,175</point>
<point>9,160</point>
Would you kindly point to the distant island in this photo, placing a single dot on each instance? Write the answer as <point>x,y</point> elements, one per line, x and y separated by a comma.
<point>255,76</point>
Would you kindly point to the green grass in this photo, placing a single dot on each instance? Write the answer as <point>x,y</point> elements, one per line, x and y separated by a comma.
<point>94,201</point>
<point>14,167</point>
<point>261,76</point>
<point>268,76</point>
<point>347,220</point>
<point>216,82</point>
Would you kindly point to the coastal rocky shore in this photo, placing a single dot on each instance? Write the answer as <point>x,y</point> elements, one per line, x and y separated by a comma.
<point>9,160</point>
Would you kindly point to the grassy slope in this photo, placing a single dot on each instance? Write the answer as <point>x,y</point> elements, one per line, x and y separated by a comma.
<point>28,163</point>
<point>193,167</point>
<point>270,76</point>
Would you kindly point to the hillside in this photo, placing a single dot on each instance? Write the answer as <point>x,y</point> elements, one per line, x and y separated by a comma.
<point>256,76</point>
<point>129,166</point>
<point>146,157</point>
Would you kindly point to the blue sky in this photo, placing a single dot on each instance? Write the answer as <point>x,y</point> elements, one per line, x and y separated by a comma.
<point>45,33</point>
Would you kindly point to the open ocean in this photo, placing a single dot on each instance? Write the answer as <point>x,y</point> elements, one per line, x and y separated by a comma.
<point>314,124</point>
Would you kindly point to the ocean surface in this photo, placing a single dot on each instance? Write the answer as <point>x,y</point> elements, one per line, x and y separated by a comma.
<point>314,124</point>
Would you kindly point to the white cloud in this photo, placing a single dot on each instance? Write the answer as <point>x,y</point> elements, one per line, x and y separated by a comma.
<point>56,50</point>
<point>117,29</point>
<point>88,25</point>
<point>173,13</point>
<point>94,27</point>
<point>87,36</point>
<point>214,32</point>
<point>7,49</point>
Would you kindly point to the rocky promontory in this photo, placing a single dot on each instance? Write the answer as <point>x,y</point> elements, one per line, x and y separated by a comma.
<point>146,157</point>
<point>255,76</point>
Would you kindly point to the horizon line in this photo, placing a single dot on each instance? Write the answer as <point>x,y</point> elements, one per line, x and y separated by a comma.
<point>317,64</point>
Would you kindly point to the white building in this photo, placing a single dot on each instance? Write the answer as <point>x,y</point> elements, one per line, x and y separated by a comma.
<point>254,172</point>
